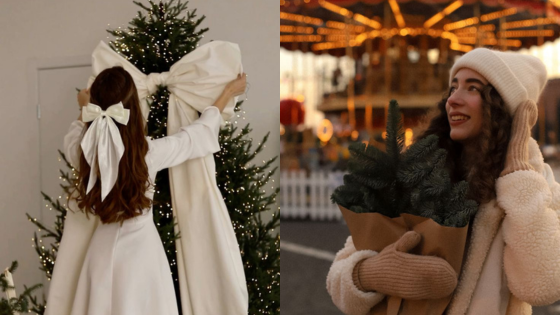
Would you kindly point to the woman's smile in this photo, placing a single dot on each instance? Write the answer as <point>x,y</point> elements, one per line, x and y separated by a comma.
<point>456,118</point>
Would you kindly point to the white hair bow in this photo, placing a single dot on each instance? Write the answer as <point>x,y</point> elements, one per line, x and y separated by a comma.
<point>103,141</point>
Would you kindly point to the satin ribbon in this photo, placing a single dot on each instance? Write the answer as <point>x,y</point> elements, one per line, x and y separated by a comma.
<point>102,144</point>
<point>195,81</point>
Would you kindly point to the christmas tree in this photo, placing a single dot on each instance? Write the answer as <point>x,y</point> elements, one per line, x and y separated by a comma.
<point>156,38</point>
<point>394,182</point>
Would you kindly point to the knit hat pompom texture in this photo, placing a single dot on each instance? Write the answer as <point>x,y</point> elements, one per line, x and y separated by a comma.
<point>516,77</point>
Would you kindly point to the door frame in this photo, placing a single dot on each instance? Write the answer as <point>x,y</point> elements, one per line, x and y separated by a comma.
<point>34,68</point>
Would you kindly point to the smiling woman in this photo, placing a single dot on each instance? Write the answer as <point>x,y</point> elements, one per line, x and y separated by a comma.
<point>485,124</point>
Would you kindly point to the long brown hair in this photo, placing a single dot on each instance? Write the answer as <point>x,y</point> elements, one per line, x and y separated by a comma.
<point>127,198</point>
<point>482,170</point>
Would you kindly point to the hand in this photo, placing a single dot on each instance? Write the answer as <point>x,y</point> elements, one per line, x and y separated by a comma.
<point>83,97</point>
<point>395,272</point>
<point>237,86</point>
<point>233,88</point>
<point>517,158</point>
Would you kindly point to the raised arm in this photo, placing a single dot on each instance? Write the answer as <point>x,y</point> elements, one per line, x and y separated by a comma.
<point>530,198</point>
<point>198,139</point>
<point>72,142</point>
<point>193,141</point>
<point>531,231</point>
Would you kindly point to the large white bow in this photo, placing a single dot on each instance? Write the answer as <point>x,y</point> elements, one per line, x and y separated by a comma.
<point>102,144</point>
<point>195,81</point>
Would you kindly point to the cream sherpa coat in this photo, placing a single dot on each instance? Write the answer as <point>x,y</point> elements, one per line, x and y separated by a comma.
<point>513,260</point>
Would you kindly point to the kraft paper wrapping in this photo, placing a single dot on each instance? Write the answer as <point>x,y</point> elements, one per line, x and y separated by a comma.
<point>375,231</point>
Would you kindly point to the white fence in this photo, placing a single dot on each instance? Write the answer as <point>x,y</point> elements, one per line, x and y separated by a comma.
<point>309,197</point>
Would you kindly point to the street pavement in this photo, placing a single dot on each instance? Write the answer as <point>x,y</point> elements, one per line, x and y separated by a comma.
<point>307,250</point>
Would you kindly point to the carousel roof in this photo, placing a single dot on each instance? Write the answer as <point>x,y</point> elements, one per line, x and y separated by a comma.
<point>332,26</point>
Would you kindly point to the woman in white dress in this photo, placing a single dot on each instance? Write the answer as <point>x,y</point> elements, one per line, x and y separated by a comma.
<point>125,270</point>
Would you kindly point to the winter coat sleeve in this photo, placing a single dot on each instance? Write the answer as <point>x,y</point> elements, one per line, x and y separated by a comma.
<point>193,141</point>
<point>72,142</point>
<point>531,231</point>
<point>344,293</point>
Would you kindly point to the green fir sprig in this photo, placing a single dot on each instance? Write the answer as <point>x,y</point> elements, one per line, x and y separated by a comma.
<point>393,182</point>
<point>159,35</point>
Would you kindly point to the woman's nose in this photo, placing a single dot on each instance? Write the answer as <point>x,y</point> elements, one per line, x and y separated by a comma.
<point>455,99</point>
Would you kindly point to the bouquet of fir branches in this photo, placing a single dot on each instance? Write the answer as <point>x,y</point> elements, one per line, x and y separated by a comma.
<point>389,193</point>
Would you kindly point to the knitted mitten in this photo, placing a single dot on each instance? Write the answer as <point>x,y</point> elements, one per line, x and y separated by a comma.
<point>395,272</point>
<point>517,158</point>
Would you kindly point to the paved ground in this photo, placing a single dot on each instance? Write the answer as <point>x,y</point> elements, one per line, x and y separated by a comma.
<point>307,251</point>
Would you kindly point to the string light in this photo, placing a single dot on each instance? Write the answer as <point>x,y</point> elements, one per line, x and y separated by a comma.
<point>473,29</point>
<point>300,18</point>
<point>296,29</point>
<point>340,42</point>
<point>397,13</point>
<point>528,23</point>
<point>448,10</point>
<point>460,24</point>
<point>336,9</point>
<point>366,21</point>
<point>490,41</point>
<point>544,33</point>
<point>498,14</point>
<point>300,38</point>
<point>337,25</point>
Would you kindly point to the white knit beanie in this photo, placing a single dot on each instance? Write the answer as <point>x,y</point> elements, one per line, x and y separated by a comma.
<point>516,77</point>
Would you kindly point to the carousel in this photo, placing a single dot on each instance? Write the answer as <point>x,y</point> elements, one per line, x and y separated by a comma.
<point>403,49</point>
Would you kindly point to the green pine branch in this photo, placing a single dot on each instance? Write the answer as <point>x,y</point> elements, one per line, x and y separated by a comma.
<point>159,35</point>
<point>395,132</point>
<point>395,182</point>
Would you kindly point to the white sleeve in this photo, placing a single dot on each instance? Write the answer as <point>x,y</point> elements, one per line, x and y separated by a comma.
<point>193,141</point>
<point>72,142</point>
<point>531,231</point>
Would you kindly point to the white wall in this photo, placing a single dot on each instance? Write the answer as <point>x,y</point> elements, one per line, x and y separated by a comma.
<point>46,29</point>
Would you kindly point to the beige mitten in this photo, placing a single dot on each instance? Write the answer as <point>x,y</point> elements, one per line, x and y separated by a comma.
<point>397,273</point>
<point>517,158</point>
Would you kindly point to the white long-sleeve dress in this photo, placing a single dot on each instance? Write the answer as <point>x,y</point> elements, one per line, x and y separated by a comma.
<point>125,270</point>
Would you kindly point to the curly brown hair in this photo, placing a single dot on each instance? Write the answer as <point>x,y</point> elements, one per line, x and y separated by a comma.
<point>480,170</point>
<point>127,198</point>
